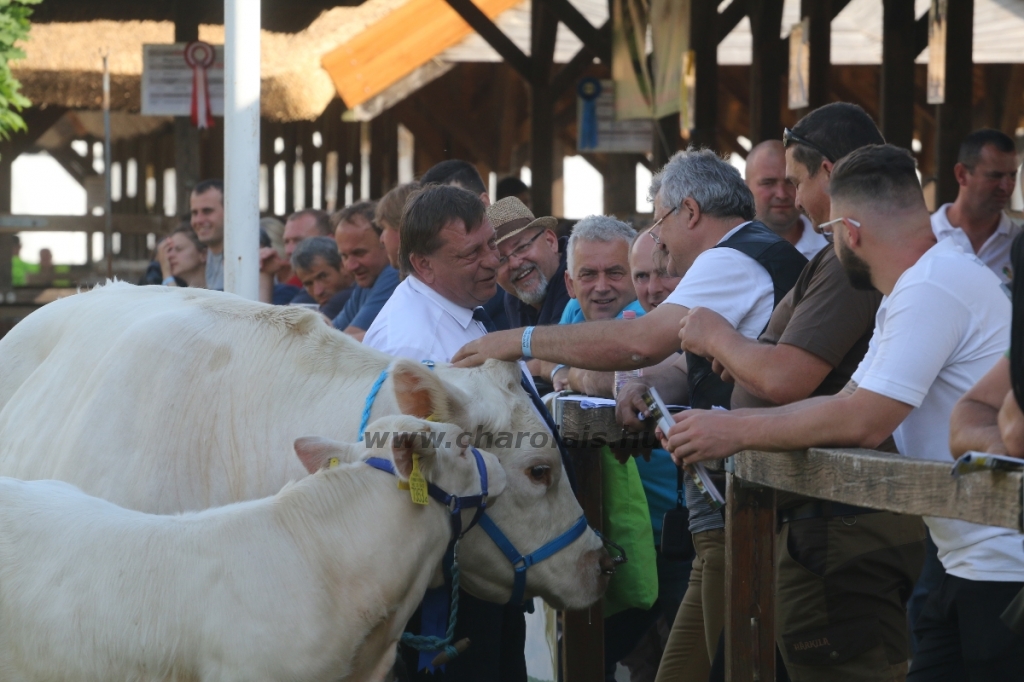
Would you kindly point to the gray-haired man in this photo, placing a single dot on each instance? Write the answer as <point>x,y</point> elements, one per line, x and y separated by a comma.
<point>735,266</point>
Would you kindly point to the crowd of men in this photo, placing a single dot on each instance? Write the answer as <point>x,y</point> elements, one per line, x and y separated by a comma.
<point>815,302</point>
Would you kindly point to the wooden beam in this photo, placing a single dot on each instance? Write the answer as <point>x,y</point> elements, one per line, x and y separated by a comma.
<point>598,42</point>
<point>820,43</point>
<point>543,29</point>
<point>704,43</point>
<point>749,582</point>
<point>835,7</point>
<point>889,482</point>
<point>896,95</point>
<point>494,36</point>
<point>954,115</point>
<point>732,15</point>
<point>767,70</point>
<point>578,65</point>
<point>128,223</point>
<point>921,34</point>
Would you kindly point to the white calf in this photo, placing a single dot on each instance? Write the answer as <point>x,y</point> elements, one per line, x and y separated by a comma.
<point>315,583</point>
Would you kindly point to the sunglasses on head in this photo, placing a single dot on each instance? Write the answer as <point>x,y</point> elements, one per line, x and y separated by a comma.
<point>789,137</point>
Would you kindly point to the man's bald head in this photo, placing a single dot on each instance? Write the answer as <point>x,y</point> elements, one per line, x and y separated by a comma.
<point>774,196</point>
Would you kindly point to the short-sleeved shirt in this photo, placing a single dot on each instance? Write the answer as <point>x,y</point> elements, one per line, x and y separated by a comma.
<point>824,315</point>
<point>995,252</point>
<point>214,270</point>
<point>732,284</point>
<point>363,305</point>
<point>945,324</point>
<point>738,288</point>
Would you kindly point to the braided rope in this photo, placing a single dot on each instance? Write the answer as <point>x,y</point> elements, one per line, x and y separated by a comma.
<point>430,643</point>
<point>374,390</point>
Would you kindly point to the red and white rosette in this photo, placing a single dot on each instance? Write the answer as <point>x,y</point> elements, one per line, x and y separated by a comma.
<point>200,56</point>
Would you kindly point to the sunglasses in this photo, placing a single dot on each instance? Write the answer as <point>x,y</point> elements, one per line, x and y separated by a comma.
<point>826,228</point>
<point>789,137</point>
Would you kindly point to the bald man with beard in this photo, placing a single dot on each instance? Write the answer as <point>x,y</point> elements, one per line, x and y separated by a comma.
<point>775,198</point>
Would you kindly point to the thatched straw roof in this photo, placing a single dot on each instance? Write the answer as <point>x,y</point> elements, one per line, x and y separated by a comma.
<point>63,65</point>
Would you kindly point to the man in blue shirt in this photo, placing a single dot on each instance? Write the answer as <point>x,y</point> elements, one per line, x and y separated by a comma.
<point>362,255</point>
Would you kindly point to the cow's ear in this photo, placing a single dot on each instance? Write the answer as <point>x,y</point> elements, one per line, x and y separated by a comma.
<point>420,393</point>
<point>403,450</point>
<point>316,453</point>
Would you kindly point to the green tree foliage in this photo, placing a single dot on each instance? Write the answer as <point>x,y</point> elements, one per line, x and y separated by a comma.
<point>14,28</point>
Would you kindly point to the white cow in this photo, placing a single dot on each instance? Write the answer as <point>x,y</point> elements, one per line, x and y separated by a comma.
<point>163,400</point>
<point>313,584</point>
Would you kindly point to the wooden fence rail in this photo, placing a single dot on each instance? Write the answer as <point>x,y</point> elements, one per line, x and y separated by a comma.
<point>865,478</point>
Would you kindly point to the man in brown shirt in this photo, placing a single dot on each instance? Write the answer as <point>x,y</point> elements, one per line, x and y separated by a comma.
<point>844,572</point>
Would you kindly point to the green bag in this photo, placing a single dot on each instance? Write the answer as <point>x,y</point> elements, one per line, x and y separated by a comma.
<point>627,523</point>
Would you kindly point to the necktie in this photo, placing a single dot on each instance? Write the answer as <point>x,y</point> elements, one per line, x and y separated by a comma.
<point>481,316</point>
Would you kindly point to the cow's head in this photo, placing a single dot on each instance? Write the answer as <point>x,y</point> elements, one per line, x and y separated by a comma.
<point>408,443</point>
<point>494,413</point>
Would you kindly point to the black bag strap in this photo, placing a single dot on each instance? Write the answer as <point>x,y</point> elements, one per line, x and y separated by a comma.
<point>680,500</point>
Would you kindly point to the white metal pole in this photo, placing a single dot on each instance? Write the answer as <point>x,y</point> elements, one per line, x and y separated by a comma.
<point>241,147</point>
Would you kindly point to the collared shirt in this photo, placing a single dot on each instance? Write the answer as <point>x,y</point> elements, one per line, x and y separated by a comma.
<point>522,314</point>
<point>363,305</point>
<point>995,252</point>
<point>420,324</point>
<point>215,270</point>
<point>810,242</point>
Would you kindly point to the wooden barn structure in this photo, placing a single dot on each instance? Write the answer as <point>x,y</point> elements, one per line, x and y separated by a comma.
<point>500,93</point>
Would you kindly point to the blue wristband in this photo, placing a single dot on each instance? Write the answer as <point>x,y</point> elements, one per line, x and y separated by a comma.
<point>527,351</point>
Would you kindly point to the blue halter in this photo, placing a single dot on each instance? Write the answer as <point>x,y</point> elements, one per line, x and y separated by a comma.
<point>454,503</point>
<point>520,563</point>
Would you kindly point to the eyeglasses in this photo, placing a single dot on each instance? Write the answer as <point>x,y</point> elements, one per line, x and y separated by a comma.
<point>658,222</point>
<point>789,137</point>
<point>520,250</point>
<point>826,228</point>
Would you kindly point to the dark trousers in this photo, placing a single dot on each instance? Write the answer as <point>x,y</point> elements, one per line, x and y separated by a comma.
<point>961,636</point>
<point>929,580</point>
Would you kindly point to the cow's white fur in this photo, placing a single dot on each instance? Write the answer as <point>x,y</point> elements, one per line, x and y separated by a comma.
<point>314,583</point>
<point>163,399</point>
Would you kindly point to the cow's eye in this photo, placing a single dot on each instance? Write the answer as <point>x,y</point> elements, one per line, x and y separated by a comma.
<point>540,474</point>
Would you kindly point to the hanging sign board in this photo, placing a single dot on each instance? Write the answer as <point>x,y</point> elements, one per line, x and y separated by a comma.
<point>597,129</point>
<point>799,64</point>
<point>168,81</point>
<point>937,52</point>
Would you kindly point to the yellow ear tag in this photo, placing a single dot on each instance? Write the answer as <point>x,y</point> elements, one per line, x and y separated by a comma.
<point>432,418</point>
<point>333,462</point>
<point>418,484</point>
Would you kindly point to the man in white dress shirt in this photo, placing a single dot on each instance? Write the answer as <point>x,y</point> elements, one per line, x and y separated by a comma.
<point>986,171</point>
<point>775,198</point>
<point>449,258</point>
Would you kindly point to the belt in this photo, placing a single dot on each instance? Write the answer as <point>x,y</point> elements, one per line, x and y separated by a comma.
<point>817,510</point>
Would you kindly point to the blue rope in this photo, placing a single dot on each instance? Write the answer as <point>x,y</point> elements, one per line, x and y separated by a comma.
<point>369,403</point>
<point>424,643</point>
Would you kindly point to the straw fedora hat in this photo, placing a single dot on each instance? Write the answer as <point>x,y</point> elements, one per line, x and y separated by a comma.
<point>510,216</point>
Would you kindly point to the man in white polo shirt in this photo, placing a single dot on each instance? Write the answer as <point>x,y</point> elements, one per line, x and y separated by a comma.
<point>986,171</point>
<point>943,323</point>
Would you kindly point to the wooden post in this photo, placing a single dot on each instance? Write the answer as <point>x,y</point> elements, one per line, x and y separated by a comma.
<point>384,155</point>
<point>289,137</point>
<point>186,136</point>
<point>897,89</point>
<point>6,240</point>
<point>820,41</point>
<point>620,185</point>
<point>666,140</point>
<point>953,117</point>
<point>766,69</point>
<point>749,583</point>
<point>704,43</point>
<point>543,26</point>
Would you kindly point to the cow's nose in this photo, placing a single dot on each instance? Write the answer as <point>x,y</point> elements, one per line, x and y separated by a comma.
<point>608,564</point>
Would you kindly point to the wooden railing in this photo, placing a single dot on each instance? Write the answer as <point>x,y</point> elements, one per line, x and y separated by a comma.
<point>862,477</point>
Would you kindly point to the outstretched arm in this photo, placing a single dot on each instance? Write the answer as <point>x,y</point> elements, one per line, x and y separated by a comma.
<point>603,346</point>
